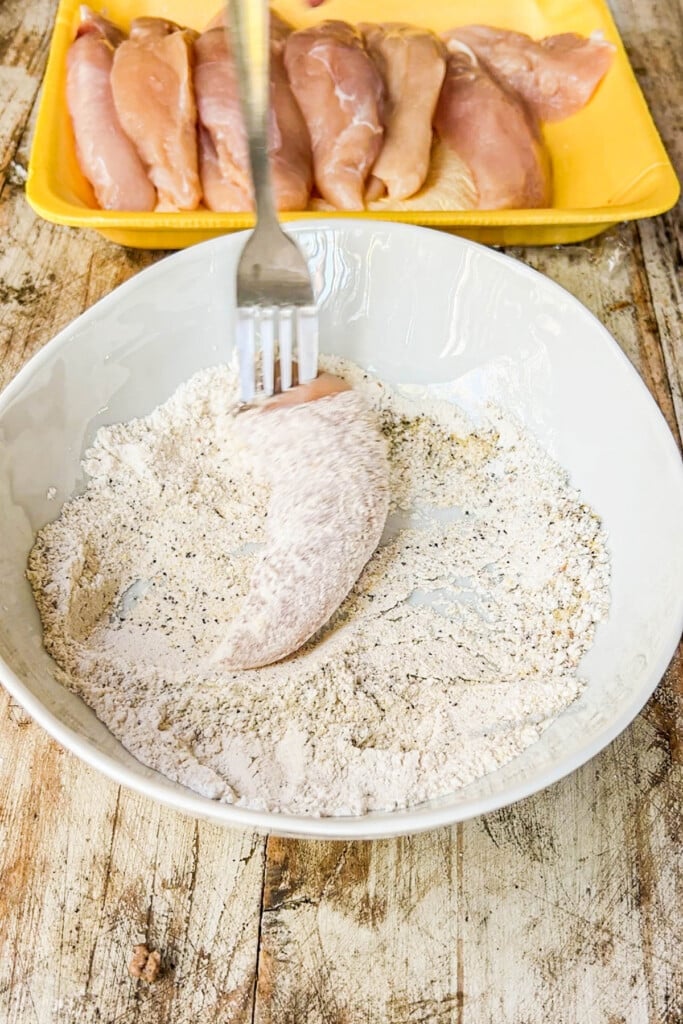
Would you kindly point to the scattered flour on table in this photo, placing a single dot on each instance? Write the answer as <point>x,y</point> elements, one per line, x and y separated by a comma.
<point>456,648</point>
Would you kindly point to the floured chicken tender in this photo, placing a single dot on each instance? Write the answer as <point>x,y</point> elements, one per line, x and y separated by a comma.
<point>412,62</point>
<point>494,133</point>
<point>340,93</point>
<point>151,80</point>
<point>326,462</point>
<point>556,76</point>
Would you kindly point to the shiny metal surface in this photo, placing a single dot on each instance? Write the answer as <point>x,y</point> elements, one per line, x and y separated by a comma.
<point>276,314</point>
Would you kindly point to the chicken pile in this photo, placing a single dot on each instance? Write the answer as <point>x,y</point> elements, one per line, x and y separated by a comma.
<point>385,116</point>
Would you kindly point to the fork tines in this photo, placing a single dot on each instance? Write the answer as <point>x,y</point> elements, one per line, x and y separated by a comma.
<point>265,334</point>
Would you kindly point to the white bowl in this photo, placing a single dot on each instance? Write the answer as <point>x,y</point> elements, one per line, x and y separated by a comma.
<point>417,307</point>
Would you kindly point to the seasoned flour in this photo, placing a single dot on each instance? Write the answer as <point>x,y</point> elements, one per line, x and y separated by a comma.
<point>455,649</point>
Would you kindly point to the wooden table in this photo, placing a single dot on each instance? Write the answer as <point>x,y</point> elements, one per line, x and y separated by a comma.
<point>564,908</point>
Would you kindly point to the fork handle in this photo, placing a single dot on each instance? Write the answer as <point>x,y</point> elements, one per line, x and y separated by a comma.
<point>250,44</point>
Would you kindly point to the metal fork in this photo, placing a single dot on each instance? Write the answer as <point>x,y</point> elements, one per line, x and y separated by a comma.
<point>276,308</point>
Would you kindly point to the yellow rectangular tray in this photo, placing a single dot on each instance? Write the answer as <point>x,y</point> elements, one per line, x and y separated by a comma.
<point>609,162</point>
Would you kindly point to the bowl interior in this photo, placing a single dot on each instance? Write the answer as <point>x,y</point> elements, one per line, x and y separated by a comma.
<point>422,309</point>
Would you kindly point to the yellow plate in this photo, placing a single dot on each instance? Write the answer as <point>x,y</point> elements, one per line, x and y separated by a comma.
<point>609,162</point>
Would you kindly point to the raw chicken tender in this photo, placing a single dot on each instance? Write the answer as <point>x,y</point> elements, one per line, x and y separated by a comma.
<point>412,62</point>
<point>340,92</point>
<point>153,28</point>
<point>219,192</point>
<point>218,107</point>
<point>91,21</point>
<point>106,156</point>
<point>327,466</point>
<point>289,144</point>
<point>154,97</point>
<point>556,76</point>
<point>220,113</point>
<point>494,133</point>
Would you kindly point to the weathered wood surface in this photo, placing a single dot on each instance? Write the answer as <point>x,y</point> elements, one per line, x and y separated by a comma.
<point>565,907</point>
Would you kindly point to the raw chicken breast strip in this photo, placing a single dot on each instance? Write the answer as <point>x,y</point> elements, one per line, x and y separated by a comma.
<point>289,145</point>
<point>106,156</point>
<point>340,92</point>
<point>219,192</point>
<point>154,28</point>
<point>556,76</point>
<point>220,114</point>
<point>326,463</point>
<point>91,21</point>
<point>154,97</point>
<point>449,185</point>
<point>494,133</point>
<point>412,62</point>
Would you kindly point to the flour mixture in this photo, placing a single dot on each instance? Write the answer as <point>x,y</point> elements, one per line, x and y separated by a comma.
<point>455,649</point>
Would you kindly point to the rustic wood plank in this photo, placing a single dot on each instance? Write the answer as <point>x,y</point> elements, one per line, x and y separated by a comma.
<point>25,31</point>
<point>557,908</point>
<point>88,870</point>
<point>39,297</point>
<point>653,36</point>
<point>48,274</point>
<point>662,242</point>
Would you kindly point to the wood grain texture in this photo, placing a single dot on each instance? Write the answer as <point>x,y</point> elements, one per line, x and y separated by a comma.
<point>559,908</point>
<point>25,31</point>
<point>564,907</point>
<point>653,35</point>
<point>88,870</point>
